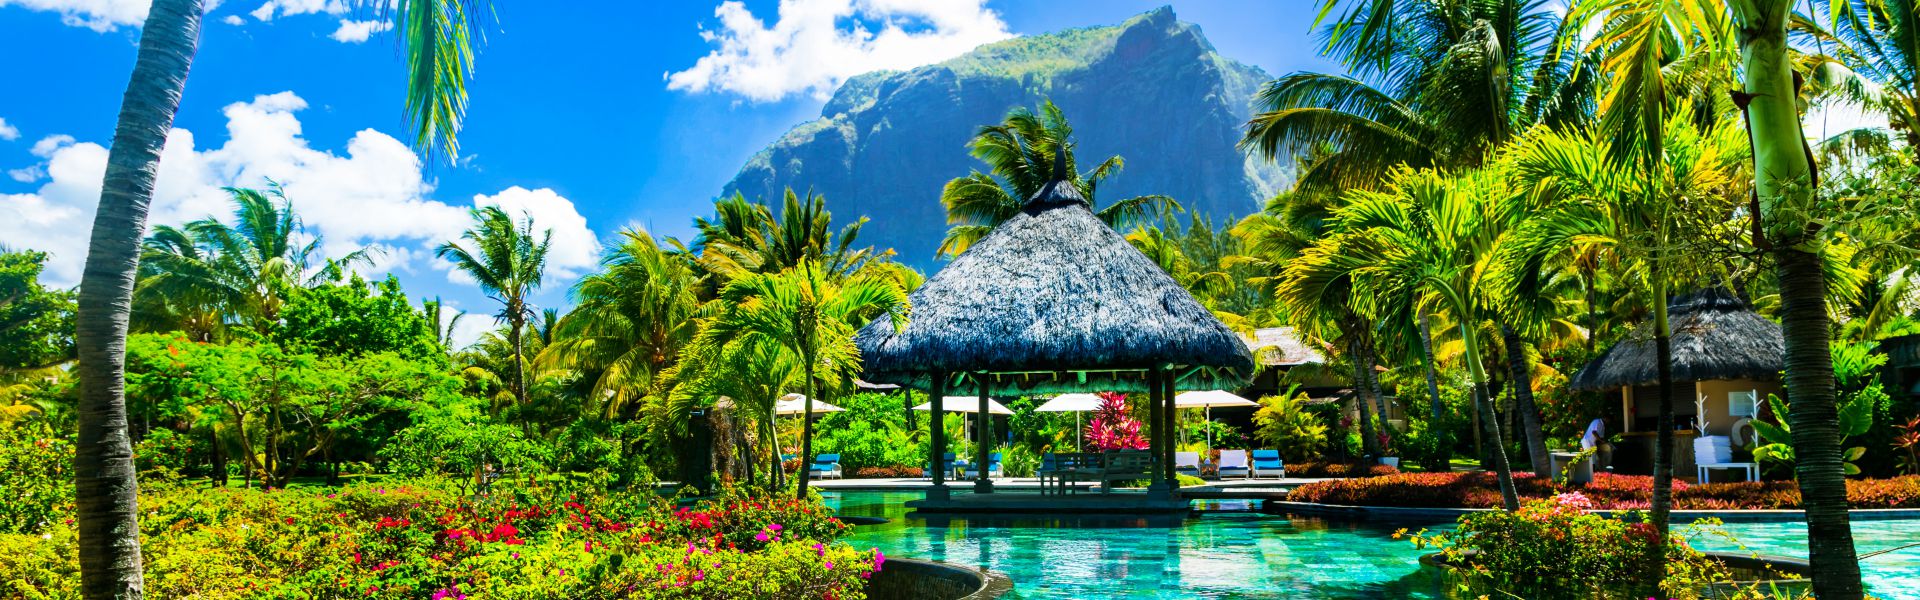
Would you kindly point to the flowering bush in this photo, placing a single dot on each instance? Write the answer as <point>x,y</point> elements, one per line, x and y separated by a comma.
<point>890,472</point>
<point>1337,469</point>
<point>1607,491</point>
<point>424,540</point>
<point>1552,548</point>
<point>36,477</point>
<point>1111,428</point>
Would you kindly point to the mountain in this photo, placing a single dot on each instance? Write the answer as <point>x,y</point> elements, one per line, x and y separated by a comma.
<point>1151,90</point>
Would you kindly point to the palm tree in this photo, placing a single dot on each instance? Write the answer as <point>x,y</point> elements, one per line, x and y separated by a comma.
<point>436,47</point>
<point>754,374</point>
<point>1591,204</point>
<point>746,237</point>
<point>809,314</point>
<point>1870,56</point>
<point>508,268</point>
<point>1019,153</point>
<point>1436,84</point>
<point>241,273</point>
<point>631,319</point>
<point>443,325</point>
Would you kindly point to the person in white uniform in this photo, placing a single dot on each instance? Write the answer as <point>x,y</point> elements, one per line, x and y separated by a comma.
<point>1596,438</point>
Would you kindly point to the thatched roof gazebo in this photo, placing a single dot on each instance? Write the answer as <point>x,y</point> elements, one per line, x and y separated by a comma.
<point>1054,301</point>
<point>1726,359</point>
<point>1715,336</point>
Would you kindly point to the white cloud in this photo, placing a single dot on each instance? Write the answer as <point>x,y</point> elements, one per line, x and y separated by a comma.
<point>98,15</point>
<point>27,174</point>
<point>808,50</point>
<point>469,328</point>
<point>288,8</point>
<point>354,32</point>
<point>8,132</point>
<point>234,20</point>
<point>373,194</point>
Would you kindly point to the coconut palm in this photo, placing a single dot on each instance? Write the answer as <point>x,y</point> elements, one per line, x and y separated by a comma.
<point>747,237</point>
<point>1019,153</point>
<point>240,273</point>
<point>1436,84</point>
<point>631,319</point>
<point>753,373</point>
<point>805,311</point>
<point>436,47</point>
<point>443,324</point>
<point>506,258</point>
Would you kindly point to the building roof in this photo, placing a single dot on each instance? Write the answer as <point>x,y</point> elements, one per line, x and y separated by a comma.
<point>1054,301</point>
<point>1715,337</point>
<point>1280,347</point>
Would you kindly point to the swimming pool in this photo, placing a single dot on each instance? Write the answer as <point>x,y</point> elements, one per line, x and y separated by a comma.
<point>1224,554</point>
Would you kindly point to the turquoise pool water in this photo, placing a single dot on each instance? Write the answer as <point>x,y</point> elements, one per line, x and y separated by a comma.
<point>1226,554</point>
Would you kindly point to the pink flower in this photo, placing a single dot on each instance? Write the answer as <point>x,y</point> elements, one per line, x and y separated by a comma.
<point>762,536</point>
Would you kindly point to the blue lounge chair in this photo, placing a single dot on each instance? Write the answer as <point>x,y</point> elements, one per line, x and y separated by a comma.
<point>825,466</point>
<point>951,461</point>
<point>993,467</point>
<point>1267,462</point>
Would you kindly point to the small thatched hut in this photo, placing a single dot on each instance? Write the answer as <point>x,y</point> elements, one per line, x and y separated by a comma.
<point>1726,359</point>
<point>1055,301</point>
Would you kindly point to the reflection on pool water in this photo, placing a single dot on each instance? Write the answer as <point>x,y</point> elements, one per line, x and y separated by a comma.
<point>1228,554</point>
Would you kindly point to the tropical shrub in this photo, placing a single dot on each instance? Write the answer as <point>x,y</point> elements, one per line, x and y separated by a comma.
<point>1284,422</point>
<point>422,539</point>
<point>1335,469</point>
<point>1606,492</point>
<point>1777,451</point>
<point>165,453</point>
<point>1019,460</point>
<point>36,478</point>
<point>1554,549</point>
<point>1112,428</point>
<point>889,472</point>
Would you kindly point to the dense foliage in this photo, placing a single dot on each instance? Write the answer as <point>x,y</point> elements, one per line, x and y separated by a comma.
<point>1606,491</point>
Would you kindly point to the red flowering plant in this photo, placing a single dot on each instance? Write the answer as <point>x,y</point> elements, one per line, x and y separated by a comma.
<point>1552,548</point>
<point>1111,428</point>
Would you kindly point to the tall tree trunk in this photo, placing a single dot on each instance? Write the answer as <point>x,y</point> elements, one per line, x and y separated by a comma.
<point>1438,461</point>
<point>806,425</point>
<point>516,322</point>
<point>1502,471</point>
<point>1367,441</point>
<point>1784,181</point>
<point>1373,388</point>
<point>1588,279</point>
<point>1662,503</point>
<point>1523,401</point>
<point>105,505</point>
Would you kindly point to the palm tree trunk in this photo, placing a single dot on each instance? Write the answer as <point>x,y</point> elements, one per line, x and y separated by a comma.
<point>1816,425</point>
<point>516,322</point>
<point>1502,471</point>
<point>1438,461</point>
<point>1662,503</point>
<point>1588,279</point>
<point>806,427</point>
<point>105,504</point>
<point>1523,402</point>
<point>1373,388</point>
<point>1367,441</point>
<point>1784,181</point>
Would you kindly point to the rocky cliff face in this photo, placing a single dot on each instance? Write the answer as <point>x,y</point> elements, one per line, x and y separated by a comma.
<point>1152,90</point>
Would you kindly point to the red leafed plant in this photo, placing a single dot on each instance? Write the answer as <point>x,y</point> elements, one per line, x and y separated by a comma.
<point>1111,428</point>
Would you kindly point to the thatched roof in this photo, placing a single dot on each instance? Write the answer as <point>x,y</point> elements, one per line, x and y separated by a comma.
<point>1055,301</point>
<point>1715,336</point>
<point>1281,347</point>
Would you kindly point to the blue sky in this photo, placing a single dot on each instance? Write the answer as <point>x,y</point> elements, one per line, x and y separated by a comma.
<point>574,118</point>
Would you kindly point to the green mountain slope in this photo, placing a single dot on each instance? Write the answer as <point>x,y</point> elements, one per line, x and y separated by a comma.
<point>1152,90</point>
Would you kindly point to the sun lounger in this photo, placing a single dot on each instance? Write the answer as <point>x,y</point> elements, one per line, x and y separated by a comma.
<point>1267,462</point>
<point>993,467</point>
<point>825,466</point>
<point>950,462</point>
<point>1232,463</point>
<point>1186,463</point>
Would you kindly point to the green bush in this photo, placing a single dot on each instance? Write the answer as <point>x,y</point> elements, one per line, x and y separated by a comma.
<point>36,477</point>
<point>1284,422</point>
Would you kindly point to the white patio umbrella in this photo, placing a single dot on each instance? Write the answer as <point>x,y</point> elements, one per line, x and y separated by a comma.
<point>793,404</point>
<point>1073,403</point>
<point>1206,400</point>
<point>966,404</point>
